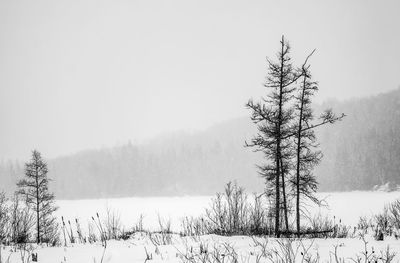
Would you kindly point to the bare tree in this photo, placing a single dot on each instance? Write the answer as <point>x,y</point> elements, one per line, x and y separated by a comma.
<point>34,189</point>
<point>307,153</point>
<point>272,117</point>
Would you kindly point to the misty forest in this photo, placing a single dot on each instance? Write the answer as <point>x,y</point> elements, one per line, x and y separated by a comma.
<point>295,178</point>
<point>365,146</point>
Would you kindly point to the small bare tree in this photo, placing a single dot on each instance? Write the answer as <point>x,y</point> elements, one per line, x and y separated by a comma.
<point>34,189</point>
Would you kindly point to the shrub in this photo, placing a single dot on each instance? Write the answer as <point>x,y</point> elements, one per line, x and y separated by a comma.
<point>231,213</point>
<point>320,226</point>
<point>382,224</point>
<point>223,253</point>
<point>259,217</point>
<point>363,224</point>
<point>164,235</point>
<point>112,223</point>
<point>22,221</point>
<point>394,209</point>
<point>192,226</point>
<point>228,211</point>
<point>139,224</point>
<point>324,227</point>
<point>4,218</point>
<point>51,234</point>
<point>92,238</point>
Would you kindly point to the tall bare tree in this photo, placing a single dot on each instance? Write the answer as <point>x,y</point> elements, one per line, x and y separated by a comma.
<point>34,189</point>
<point>307,153</point>
<point>272,116</point>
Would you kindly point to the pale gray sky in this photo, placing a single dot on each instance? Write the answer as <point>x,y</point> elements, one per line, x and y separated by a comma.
<point>84,74</point>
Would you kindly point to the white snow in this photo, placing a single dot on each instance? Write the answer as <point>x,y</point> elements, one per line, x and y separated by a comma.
<point>346,206</point>
<point>134,250</point>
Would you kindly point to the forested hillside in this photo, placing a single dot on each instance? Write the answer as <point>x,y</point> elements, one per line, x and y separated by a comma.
<point>364,149</point>
<point>175,164</point>
<point>360,152</point>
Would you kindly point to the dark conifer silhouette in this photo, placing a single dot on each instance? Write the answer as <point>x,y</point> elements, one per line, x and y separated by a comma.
<point>286,136</point>
<point>273,116</point>
<point>307,156</point>
<point>34,189</point>
<point>306,147</point>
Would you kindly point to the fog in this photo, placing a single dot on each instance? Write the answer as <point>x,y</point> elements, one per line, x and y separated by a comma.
<point>87,74</point>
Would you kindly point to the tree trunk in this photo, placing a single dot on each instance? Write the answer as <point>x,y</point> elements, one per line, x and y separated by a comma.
<point>37,205</point>
<point>278,145</point>
<point>277,197</point>
<point>298,160</point>
<point>285,210</point>
<point>298,187</point>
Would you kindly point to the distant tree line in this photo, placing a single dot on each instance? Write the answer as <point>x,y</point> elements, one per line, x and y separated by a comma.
<point>184,165</point>
<point>359,153</point>
<point>363,153</point>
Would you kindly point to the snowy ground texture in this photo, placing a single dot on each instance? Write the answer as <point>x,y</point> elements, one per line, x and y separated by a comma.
<point>212,248</point>
<point>143,247</point>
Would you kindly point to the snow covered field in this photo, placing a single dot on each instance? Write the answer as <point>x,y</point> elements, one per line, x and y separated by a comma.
<point>347,206</point>
<point>216,249</point>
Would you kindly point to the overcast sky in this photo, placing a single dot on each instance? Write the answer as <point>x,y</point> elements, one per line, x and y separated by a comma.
<point>86,74</point>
